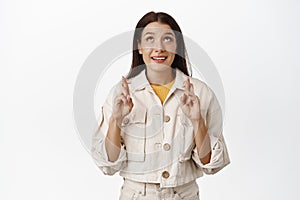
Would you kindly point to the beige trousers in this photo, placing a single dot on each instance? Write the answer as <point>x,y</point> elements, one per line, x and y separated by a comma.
<point>132,190</point>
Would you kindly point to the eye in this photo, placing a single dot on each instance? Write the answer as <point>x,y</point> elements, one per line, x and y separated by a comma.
<point>168,39</point>
<point>149,39</point>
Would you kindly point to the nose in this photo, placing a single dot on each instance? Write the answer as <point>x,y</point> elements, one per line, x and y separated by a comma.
<point>159,46</point>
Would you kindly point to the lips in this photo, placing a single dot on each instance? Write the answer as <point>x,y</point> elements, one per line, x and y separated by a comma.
<point>159,59</point>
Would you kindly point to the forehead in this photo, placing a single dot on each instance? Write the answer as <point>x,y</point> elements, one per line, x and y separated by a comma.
<point>157,28</point>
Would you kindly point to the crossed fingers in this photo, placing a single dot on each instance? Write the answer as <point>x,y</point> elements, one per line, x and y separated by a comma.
<point>125,96</point>
<point>189,97</point>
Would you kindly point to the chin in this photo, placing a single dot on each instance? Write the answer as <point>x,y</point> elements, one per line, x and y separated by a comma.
<point>158,67</point>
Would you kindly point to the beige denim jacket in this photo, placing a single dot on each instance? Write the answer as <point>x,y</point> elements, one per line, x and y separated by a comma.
<point>157,139</point>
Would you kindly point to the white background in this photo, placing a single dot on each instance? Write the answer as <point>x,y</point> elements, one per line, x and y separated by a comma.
<point>254,45</point>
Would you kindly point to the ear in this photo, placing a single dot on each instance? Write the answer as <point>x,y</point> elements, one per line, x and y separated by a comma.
<point>139,48</point>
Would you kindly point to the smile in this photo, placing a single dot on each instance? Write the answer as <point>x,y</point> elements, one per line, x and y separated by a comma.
<point>159,59</point>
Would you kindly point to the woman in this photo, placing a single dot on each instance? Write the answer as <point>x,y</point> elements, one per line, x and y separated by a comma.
<point>160,128</point>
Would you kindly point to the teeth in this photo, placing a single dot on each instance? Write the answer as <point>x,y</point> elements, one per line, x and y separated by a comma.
<point>163,58</point>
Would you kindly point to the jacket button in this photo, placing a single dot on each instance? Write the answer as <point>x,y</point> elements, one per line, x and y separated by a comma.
<point>165,174</point>
<point>167,147</point>
<point>125,121</point>
<point>167,118</point>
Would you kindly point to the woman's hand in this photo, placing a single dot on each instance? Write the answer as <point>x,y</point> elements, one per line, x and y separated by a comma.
<point>190,103</point>
<point>122,103</point>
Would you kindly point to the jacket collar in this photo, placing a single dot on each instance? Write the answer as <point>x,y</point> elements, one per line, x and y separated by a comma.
<point>141,82</point>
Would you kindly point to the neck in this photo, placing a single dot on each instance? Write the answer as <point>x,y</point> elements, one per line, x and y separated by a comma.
<point>160,77</point>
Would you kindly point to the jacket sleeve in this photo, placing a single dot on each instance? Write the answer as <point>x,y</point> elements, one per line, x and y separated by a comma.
<point>219,154</point>
<point>98,150</point>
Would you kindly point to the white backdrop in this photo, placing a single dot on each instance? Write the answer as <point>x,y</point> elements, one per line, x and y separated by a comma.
<point>253,43</point>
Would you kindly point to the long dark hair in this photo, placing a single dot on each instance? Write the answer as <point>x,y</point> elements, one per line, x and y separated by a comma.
<point>138,64</point>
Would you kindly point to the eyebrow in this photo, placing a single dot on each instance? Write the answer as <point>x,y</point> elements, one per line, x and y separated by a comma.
<point>152,33</point>
<point>169,33</point>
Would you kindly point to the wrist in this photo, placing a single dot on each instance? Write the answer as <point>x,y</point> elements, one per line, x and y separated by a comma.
<point>197,122</point>
<point>115,121</point>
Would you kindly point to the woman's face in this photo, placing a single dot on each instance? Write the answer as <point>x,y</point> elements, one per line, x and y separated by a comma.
<point>158,46</point>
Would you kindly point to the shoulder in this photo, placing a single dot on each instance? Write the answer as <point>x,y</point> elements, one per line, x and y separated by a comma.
<point>134,83</point>
<point>113,92</point>
<point>200,87</point>
<point>198,84</point>
<point>205,93</point>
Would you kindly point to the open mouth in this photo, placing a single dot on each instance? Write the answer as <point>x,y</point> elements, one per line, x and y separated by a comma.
<point>159,59</point>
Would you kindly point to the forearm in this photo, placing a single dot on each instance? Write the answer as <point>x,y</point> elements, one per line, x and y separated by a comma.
<point>202,141</point>
<point>113,140</point>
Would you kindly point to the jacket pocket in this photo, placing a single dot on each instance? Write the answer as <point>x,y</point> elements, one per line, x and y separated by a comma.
<point>188,191</point>
<point>184,120</point>
<point>128,194</point>
<point>186,141</point>
<point>134,134</point>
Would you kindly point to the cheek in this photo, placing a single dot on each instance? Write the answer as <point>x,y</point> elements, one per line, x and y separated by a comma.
<point>172,57</point>
<point>171,48</point>
<point>146,49</point>
<point>146,46</point>
<point>146,57</point>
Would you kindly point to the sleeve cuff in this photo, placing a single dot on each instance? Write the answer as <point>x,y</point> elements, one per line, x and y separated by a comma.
<point>219,159</point>
<point>101,159</point>
<point>122,154</point>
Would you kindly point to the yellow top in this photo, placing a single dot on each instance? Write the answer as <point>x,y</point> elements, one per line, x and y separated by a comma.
<point>162,90</point>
